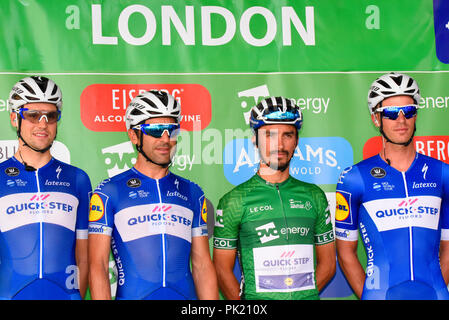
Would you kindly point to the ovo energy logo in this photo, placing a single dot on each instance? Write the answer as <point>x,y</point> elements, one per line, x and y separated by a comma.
<point>103,106</point>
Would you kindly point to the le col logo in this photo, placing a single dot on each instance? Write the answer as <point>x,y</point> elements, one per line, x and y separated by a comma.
<point>103,106</point>
<point>316,160</point>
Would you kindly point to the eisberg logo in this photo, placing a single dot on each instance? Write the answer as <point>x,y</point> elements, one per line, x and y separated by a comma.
<point>316,160</point>
<point>103,106</point>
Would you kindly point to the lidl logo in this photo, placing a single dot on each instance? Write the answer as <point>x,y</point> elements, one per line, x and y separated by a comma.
<point>318,160</point>
<point>96,208</point>
<point>342,207</point>
<point>204,211</point>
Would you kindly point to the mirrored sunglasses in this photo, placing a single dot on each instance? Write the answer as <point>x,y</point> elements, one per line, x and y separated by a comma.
<point>35,116</point>
<point>392,112</point>
<point>157,130</point>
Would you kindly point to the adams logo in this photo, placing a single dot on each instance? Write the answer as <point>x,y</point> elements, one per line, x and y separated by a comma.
<point>316,160</point>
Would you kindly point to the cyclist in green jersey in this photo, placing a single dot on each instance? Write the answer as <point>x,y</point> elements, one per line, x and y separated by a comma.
<point>280,227</point>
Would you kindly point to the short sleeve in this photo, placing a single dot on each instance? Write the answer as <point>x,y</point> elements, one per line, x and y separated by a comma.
<point>227,221</point>
<point>349,190</point>
<point>199,224</point>
<point>444,216</point>
<point>324,231</point>
<point>84,188</point>
<point>101,213</point>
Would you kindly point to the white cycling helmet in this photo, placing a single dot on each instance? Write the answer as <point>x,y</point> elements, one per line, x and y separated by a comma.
<point>390,85</point>
<point>152,104</point>
<point>34,89</point>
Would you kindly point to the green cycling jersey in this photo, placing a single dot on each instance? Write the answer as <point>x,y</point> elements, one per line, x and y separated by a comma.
<point>275,228</point>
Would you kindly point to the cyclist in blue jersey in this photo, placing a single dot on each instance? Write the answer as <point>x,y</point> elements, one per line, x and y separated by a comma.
<point>153,220</point>
<point>397,202</point>
<point>44,204</point>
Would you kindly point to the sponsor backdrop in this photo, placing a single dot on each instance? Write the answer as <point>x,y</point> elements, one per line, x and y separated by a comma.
<point>218,59</point>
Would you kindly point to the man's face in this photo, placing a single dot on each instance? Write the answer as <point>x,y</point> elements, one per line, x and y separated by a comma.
<point>159,150</point>
<point>277,144</point>
<point>38,134</point>
<point>401,129</point>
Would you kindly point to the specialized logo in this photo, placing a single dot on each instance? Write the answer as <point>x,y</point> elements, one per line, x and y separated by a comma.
<point>96,208</point>
<point>342,210</point>
<point>424,170</point>
<point>267,232</point>
<point>58,172</point>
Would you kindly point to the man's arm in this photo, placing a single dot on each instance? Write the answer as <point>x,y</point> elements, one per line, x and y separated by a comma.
<point>444,260</point>
<point>82,264</point>
<point>350,264</point>
<point>99,248</point>
<point>224,261</point>
<point>203,270</point>
<point>326,264</point>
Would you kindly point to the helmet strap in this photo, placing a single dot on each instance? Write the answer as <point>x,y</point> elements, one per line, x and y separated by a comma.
<point>140,150</point>
<point>405,144</point>
<point>19,135</point>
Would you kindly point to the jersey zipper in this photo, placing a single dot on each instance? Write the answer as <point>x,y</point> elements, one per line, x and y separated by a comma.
<point>285,222</point>
<point>40,226</point>
<point>412,277</point>
<point>163,236</point>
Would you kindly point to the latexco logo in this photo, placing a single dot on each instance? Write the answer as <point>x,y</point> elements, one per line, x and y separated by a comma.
<point>103,106</point>
<point>433,146</point>
<point>316,160</point>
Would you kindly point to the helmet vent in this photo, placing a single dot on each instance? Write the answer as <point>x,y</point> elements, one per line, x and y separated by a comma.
<point>27,86</point>
<point>397,80</point>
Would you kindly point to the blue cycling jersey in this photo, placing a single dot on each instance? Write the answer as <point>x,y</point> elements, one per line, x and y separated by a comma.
<point>402,216</point>
<point>151,222</point>
<point>42,213</point>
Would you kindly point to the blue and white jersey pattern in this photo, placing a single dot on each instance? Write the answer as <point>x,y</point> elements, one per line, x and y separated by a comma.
<point>152,222</point>
<point>401,216</point>
<point>42,213</point>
